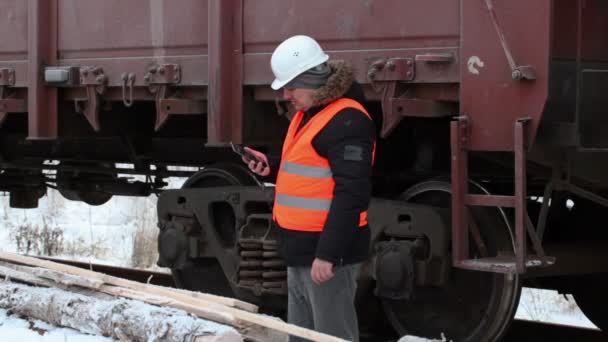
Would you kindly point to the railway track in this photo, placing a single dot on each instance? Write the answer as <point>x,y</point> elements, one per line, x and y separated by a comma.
<point>143,276</point>
<point>520,330</point>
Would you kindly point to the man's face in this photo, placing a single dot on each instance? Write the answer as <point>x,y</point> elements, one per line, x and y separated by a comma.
<point>300,98</point>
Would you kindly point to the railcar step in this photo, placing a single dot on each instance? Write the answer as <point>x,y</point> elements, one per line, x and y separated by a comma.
<point>504,263</point>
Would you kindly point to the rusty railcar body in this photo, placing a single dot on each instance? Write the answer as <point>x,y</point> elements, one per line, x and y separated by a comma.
<point>491,167</point>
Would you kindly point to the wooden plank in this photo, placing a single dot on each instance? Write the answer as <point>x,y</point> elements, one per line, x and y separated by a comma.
<point>9,274</point>
<point>251,332</point>
<point>23,274</point>
<point>232,302</point>
<point>205,296</point>
<point>66,279</point>
<point>223,338</point>
<point>183,295</point>
<point>217,310</point>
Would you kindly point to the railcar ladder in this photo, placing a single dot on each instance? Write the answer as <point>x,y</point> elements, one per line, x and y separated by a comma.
<point>463,225</point>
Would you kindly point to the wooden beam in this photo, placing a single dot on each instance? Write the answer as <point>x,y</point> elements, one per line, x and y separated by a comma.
<point>183,295</point>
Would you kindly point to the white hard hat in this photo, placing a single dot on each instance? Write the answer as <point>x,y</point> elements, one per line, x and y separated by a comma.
<point>294,56</point>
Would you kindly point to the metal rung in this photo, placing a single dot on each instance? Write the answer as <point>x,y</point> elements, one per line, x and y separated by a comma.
<point>490,200</point>
<point>503,263</point>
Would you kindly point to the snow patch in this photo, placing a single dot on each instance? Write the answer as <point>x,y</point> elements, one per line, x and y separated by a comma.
<point>551,307</point>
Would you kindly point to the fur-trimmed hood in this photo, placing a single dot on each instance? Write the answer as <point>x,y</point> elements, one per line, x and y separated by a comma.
<point>341,79</point>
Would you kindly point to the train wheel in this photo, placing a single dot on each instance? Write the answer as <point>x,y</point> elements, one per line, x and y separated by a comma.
<point>221,175</point>
<point>196,273</point>
<point>471,306</point>
<point>589,291</point>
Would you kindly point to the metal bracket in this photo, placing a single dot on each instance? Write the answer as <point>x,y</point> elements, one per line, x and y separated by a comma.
<point>394,109</point>
<point>390,120</point>
<point>12,106</point>
<point>168,106</point>
<point>159,78</point>
<point>523,72</point>
<point>392,69</point>
<point>463,127</point>
<point>161,115</point>
<point>435,58</point>
<point>7,77</point>
<point>9,105</point>
<point>383,75</point>
<point>163,74</point>
<point>95,81</point>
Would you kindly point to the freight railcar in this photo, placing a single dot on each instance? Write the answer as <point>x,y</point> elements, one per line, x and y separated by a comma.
<point>491,165</point>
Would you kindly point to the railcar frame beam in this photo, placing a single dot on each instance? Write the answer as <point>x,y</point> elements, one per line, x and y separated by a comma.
<point>224,119</point>
<point>42,51</point>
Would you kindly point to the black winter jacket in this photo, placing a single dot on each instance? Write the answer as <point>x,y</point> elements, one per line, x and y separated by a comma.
<point>347,141</point>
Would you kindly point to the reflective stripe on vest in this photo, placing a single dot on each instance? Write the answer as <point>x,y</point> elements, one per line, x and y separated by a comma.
<point>305,170</point>
<point>305,184</point>
<point>303,202</point>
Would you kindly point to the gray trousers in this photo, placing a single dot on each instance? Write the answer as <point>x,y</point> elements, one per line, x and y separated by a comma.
<point>328,308</point>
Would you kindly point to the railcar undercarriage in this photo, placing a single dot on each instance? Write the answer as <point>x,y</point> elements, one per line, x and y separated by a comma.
<point>216,234</point>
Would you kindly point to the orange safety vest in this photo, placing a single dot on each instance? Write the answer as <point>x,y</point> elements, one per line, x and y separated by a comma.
<point>305,184</point>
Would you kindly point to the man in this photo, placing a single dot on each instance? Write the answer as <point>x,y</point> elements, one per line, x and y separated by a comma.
<point>323,186</point>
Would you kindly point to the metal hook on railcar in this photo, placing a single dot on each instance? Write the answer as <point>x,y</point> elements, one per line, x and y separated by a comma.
<point>127,82</point>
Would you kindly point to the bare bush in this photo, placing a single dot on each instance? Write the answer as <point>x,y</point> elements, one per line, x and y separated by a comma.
<point>44,240</point>
<point>535,304</point>
<point>145,251</point>
<point>542,305</point>
<point>24,237</point>
<point>82,248</point>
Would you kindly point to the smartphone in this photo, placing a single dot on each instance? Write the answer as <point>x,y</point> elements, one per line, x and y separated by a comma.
<point>240,150</point>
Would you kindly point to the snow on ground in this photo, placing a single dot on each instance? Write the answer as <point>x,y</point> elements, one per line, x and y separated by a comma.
<point>550,306</point>
<point>123,232</point>
<point>77,230</point>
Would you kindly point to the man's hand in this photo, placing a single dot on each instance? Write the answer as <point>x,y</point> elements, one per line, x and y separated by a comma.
<point>321,271</point>
<point>258,166</point>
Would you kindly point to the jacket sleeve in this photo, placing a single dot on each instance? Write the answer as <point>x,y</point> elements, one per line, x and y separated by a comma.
<point>347,142</point>
<point>274,162</point>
